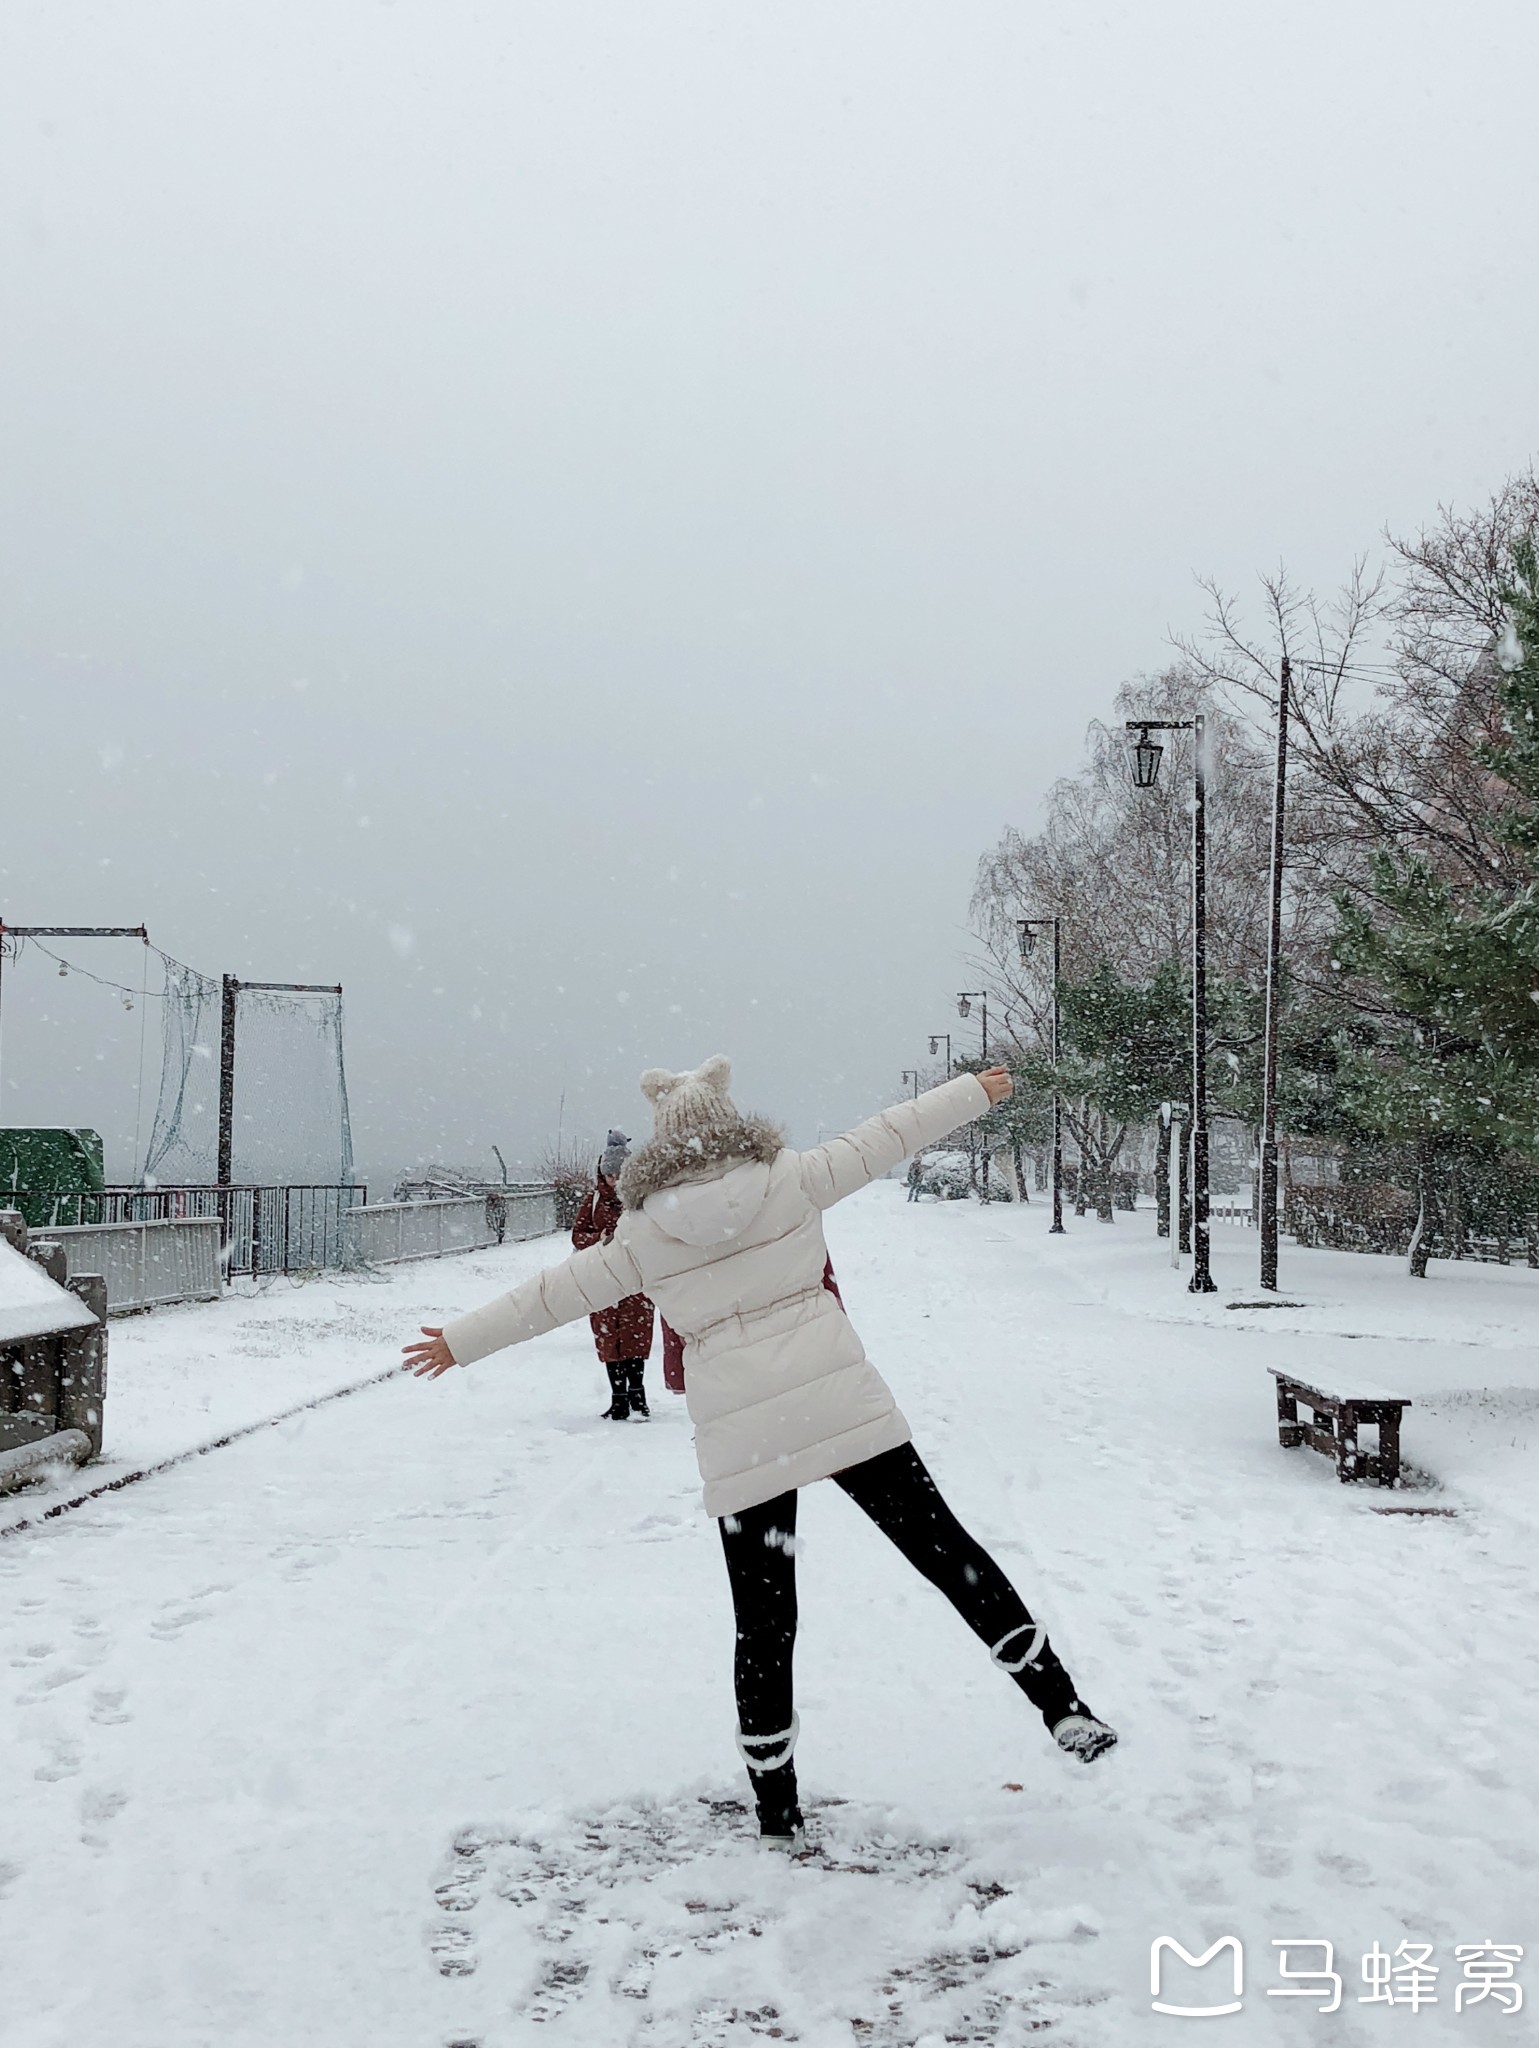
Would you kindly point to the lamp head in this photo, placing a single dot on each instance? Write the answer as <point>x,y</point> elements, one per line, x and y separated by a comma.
<point>1146,760</point>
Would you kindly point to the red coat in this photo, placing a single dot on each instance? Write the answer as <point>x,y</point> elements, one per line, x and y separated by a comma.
<point>673,1358</point>
<point>624,1331</point>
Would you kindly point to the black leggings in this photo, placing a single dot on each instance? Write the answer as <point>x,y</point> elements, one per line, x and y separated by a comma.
<point>899,1495</point>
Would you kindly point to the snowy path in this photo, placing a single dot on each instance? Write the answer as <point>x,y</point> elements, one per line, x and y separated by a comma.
<point>467,1640</point>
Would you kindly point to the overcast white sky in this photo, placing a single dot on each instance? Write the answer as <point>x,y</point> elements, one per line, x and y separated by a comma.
<point>635,496</point>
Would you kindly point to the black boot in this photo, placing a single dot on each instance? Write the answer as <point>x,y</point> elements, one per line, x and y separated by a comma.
<point>1029,1658</point>
<point>780,1813</point>
<point>774,1784</point>
<point>634,1369</point>
<point>619,1409</point>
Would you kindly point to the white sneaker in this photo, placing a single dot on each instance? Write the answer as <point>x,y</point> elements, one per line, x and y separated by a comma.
<point>1082,1735</point>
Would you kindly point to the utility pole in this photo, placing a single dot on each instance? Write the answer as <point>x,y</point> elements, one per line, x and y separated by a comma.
<point>1057,1227</point>
<point>1202,1281</point>
<point>231,991</point>
<point>223,1169</point>
<point>1268,1191</point>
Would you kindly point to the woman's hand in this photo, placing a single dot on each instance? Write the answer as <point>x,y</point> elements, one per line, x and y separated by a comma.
<point>997,1084</point>
<point>429,1359</point>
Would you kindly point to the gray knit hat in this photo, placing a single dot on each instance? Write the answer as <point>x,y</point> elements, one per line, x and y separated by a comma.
<point>617,1149</point>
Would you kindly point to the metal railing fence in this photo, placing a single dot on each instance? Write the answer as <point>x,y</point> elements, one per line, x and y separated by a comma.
<point>148,1243</point>
<point>262,1229</point>
<point>389,1232</point>
<point>146,1265</point>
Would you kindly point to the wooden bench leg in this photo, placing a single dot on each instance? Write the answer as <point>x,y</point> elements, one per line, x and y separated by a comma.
<point>1348,1457</point>
<point>1389,1447</point>
<point>1289,1434</point>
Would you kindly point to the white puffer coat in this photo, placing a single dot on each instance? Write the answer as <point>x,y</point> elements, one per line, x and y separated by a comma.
<point>779,1389</point>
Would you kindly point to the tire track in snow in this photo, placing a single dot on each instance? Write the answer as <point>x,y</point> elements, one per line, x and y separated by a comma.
<point>194,1451</point>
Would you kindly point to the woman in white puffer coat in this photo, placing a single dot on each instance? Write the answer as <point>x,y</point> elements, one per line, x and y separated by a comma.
<point>722,1228</point>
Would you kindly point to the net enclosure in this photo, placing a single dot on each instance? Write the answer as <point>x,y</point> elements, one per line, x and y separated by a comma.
<point>278,1052</point>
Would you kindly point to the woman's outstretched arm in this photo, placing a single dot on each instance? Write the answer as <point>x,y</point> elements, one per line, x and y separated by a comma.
<point>582,1285</point>
<point>844,1164</point>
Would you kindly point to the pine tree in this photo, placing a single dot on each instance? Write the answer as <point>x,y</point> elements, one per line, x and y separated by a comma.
<point>1125,1051</point>
<point>1456,1065</point>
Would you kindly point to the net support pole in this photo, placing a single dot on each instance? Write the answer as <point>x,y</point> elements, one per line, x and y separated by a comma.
<point>223,1172</point>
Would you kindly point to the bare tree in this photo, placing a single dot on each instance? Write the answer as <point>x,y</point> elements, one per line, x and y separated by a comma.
<point>568,1164</point>
<point>1394,698</point>
<point>1115,862</point>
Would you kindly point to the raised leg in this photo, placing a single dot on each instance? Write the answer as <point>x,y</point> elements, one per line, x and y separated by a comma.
<point>899,1495</point>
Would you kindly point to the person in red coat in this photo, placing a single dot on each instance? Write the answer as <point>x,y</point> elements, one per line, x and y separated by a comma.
<point>622,1334</point>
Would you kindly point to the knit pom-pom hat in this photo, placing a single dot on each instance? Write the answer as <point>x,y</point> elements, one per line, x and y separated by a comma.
<point>691,1105</point>
<point>695,1124</point>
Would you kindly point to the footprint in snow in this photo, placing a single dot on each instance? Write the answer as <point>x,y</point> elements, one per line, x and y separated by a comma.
<point>107,1706</point>
<point>679,1910</point>
<point>177,1615</point>
<point>99,1805</point>
<point>63,1761</point>
<point>49,1682</point>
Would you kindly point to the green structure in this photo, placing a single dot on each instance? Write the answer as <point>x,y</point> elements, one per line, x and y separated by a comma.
<point>54,1168</point>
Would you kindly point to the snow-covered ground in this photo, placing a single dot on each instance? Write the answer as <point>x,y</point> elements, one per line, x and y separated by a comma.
<point>409,1721</point>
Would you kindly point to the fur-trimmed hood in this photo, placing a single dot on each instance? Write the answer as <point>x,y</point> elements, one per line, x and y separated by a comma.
<point>663,1162</point>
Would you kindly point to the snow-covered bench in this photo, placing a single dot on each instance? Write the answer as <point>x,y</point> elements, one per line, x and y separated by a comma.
<point>53,1356</point>
<point>1338,1415</point>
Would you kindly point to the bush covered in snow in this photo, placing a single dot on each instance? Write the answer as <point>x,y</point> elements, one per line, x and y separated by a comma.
<point>945,1175</point>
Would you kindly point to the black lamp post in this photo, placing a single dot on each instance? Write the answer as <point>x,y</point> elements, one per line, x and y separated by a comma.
<point>1146,770</point>
<point>937,1039</point>
<point>1026,927</point>
<point>912,1074</point>
<point>964,1010</point>
<point>965,1001</point>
